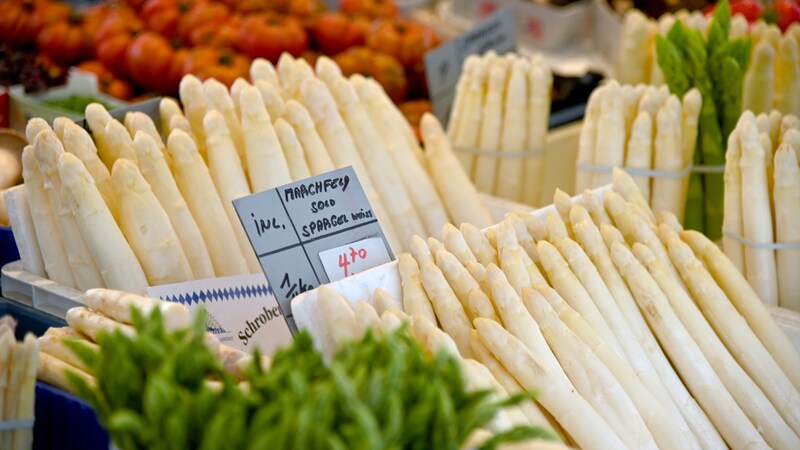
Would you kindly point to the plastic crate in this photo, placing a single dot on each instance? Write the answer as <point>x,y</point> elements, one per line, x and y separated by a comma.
<point>65,422</point>
<point>8,247</point>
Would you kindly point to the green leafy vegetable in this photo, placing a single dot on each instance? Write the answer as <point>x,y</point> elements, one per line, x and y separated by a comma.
<point>378,393</point>
<point>716,66</point>
<point>75,103</point>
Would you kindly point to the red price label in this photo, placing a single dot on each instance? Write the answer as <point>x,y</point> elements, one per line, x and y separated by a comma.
<point>347,258</point>
<point>350,259</point>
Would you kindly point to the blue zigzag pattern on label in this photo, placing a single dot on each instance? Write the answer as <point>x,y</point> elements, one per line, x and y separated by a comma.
<point>220,295</point>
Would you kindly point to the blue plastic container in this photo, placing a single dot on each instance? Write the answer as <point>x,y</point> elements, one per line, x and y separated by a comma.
<point>8,247</point>
<point>65,422</point>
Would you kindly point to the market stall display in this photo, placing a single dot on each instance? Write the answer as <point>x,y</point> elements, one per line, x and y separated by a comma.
<point>380,389</point>
<point>499,123</point>
<point>18,364</point>
<point>646,130</point>
<point>611,294</point>
<point>762,203</point>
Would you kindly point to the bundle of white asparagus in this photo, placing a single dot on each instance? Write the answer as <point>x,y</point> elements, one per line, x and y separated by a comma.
<point>633,332</point>
<point>124,208</point>
<point>502,110</point>
<point>18,363</point>
<point>642,128</point>
<point>762,205</point>
<point>108,310</point>
<point>772,80</point>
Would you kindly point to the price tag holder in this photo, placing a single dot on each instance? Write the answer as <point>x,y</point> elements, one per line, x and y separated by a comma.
<point>291,226</point>
<point>443,64</point>
<point>350,259</point>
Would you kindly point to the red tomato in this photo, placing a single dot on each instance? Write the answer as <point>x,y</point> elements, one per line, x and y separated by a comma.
<point>107,81</point>
<point>224,66</point>
<point>371,8</point>
<point>336,32</point>
<point>269,35</point>
<point>385,69</point>
<point>203,15</point>
<point>405,40</point>
<point>154,64</point>
<point>788,13</point>
<point>64,42</point>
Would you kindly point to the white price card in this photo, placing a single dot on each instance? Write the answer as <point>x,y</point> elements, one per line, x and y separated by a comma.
<point>292,225</point>
<point>241,310</point>
<point>350,259</point>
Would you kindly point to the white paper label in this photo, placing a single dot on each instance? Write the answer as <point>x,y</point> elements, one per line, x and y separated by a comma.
<point>241,310</point>
<point>350,259</point>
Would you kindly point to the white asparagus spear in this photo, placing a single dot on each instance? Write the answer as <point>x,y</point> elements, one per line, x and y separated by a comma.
<point>366,318</point>
<point>7,347</point>
<point>513,136</point>
<point>593,380</point>
<point>195,106</point>
<point>467,136</point>
<point>665,427</point>
<point>514,255</point>
<point>262,69</point>
<point>462,283</point>
<point>456,119</point>
<point>540,82</point>
<point>590,277</point>
<point>218,98</point>
<point>624,185</point>
<point>383,301</point>
<point>138,121</point>
<point>154,168</point>
<point>569,286</point>
<point>760,79</point>
<point>316,154</point>
<point>775,118</point>
<point>55,346</point>
<point>691,104</point>
<point>556,393</point>
<point>747,303</point>
<point>54,255</point>
<point>633,52</point>
<point>787,225</point>
<point>448,309</point>
<point>21,221</point>
<point>668,151</point>
<point>787,76</point>
<point>732,219</point>
<point>292,150</point>
<point>694,368</point>
<point>266,166</point>
<point>640,151</point>
<point>457,191</point>
<point>737,336</point>
<point>271,96</point>
<point>654,371</point>
<point>97,118</point>
<point>746,393</point>
<point>420,250</point>
<point>415,300</point>
<point>111,253</point>
<point>197,188</point>
<point>118,304</point>
<point>229,179</point>
<point>147,228</point>
<point>52,371</point>
<point>236,89</point>
<point>511,386</point>
<point>339,317</point>
<point>587,142</point>
<point>491,128</point>
<point>469,245</point>
<point>610,144</point>
<point>435,246</point>
<point>517,320</point>
<point>370,145</point>
<point>78,142</point>
<point>47,150</point>
<point>757,223</point>
<point>415,179</point>
<point>167,108</point>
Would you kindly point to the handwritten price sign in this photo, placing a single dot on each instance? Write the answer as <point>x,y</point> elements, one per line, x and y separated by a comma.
<point>342,262</point>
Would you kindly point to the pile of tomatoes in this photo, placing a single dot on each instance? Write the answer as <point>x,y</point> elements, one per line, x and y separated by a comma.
<point>146,46</point>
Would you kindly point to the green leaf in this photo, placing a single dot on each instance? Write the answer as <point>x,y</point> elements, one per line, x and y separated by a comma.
<point>677,34</point>
<point>722,16</point>
<point>84,352</point>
